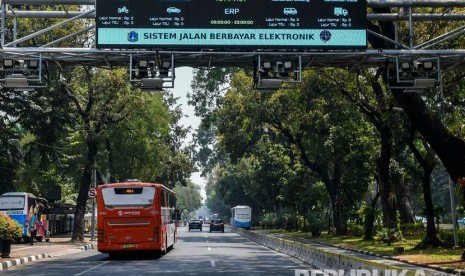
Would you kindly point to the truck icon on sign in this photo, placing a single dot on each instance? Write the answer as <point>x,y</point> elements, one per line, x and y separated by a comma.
<point>340,11</point>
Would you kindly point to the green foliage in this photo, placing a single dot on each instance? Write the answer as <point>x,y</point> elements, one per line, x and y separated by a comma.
<point>316,224</point>
<point>412,228</point>
<point>356,230</point>
<point>10,228</point>
<point>388,235</point>
<point>188,197</point>
<point>369,217</point>
<point>288,220</point>
<point>216,204</point>
<point>302,223</point>
<point>269,220</point>
<point>447,236</point>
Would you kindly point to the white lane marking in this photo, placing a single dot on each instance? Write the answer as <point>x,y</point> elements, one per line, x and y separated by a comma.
<point>209,249</point>
<point>213,263</point>
<point>92,268</point>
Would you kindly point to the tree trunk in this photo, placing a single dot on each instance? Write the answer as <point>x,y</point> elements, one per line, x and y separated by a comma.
<point>388,198</point>
<point>339,216</point>
<point>338,202</point>
<point>78,229</point>
<point>431,238</point>
<point>427,163</point>
<point>404,203</point>
<point>332,185</point>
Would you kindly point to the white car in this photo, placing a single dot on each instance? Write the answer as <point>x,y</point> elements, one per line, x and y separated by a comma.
<point>173,10</point>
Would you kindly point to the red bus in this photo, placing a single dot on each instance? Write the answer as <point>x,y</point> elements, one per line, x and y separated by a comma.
<point>135,216</point>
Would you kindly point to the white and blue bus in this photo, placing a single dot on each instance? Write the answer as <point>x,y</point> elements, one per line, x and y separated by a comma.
<point>241,217</point>
<point>21,206</point>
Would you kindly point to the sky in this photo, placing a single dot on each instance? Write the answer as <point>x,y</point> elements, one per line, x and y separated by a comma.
<point>182,86</point>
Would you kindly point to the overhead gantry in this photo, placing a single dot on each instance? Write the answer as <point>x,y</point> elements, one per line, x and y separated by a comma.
<point>414,64</point>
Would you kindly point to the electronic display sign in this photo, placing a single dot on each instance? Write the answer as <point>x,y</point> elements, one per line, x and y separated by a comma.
<point>231,24</point>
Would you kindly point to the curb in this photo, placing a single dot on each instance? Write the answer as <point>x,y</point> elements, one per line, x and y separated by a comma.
<point>7,264</point>
<point>449,270</point>
<point>312,255</point>
<point>4,265</point>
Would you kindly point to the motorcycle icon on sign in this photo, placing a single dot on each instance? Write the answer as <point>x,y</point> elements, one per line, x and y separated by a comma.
<point>123,10</point>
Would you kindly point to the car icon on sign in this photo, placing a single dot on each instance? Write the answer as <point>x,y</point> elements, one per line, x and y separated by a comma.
<point>290,11</point>
<point>173,10</point>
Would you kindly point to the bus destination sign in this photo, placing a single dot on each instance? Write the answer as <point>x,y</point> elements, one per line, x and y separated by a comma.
<point>250,24</point>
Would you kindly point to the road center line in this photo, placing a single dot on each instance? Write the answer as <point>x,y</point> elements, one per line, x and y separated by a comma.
<point>92,268</point>
<point>213,263</point>
<point>209,248</point>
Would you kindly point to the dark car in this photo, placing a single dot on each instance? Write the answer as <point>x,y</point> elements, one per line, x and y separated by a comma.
<point>195,224</point>
<point>217,225</point>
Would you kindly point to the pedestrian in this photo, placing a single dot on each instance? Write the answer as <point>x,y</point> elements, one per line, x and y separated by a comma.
<point>32,225</point>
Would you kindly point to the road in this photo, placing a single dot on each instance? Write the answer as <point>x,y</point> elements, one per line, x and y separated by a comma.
<point>195,253</point>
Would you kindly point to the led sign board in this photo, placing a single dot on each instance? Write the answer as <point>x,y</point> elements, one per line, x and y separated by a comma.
<point>231,24</point>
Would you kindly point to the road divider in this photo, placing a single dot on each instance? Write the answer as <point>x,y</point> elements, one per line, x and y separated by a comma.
<point>325,256</point>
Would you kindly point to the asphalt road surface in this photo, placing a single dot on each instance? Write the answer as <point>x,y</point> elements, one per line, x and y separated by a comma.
<point>195,253</point>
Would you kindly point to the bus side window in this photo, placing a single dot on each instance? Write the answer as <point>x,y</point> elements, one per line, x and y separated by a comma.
<point>172,201</point>
<point>163,199</point>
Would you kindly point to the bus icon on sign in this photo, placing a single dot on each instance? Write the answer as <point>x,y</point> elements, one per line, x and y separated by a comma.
<point>340,11</point>
<point>290,11</point>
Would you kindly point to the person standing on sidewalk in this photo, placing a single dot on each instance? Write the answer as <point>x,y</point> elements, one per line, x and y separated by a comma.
<point>32,225</point>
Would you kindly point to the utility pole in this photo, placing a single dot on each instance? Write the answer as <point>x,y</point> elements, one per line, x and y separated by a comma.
<point>92,222</point>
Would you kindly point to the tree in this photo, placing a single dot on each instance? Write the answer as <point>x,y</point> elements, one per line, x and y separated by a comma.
<point>215,201</point>
<point>308,119</point>
<point>188,197</point>
<point>147,145</point>
<point>36,122</point>
<point>99,98</point>
<point>368,94</point>
<point>449,148</point>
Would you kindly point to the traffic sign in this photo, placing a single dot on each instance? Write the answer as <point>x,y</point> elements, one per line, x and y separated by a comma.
<point>92,193</point>
<point>226,24</point>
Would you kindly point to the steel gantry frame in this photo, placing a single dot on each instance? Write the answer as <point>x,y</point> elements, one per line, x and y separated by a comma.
<point>401,11</point>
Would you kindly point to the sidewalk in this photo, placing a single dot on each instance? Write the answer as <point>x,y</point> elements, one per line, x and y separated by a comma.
<point>58,246</point>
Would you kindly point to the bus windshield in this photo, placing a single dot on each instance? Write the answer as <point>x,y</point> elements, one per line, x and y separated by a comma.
<point>128,196</point>
<point>8,203</point>
<point>243,216</point>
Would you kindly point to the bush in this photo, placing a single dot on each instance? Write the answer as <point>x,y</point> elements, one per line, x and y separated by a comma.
<point>269,220</point>
<point>447,236</point>
<point>412,228</point>
<point>388,235</point>
<point>302,223</point>
<point>316,224</point>
<point>355,230</point>
<point>10,228</point>
<point>288,220</point>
